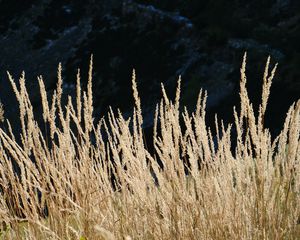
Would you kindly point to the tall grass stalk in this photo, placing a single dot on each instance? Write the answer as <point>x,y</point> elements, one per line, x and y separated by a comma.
<point>91,180</point>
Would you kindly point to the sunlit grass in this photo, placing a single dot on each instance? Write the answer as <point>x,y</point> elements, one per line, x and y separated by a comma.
<point>87,180</point>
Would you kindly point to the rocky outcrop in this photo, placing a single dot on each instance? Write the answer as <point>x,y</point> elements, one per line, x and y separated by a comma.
<point>202,41</point>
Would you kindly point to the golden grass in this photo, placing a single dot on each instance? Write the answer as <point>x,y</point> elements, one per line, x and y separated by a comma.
<point>205,190</point>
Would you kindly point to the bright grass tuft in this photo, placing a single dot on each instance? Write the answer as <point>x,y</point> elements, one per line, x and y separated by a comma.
<point>87,180</point>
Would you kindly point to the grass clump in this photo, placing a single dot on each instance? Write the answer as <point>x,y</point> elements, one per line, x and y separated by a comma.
<point>92,180</point>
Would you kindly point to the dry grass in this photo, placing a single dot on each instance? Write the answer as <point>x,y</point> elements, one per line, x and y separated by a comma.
<point>205,190</point>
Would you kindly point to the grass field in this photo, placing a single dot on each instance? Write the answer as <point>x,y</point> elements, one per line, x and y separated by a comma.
<point>74,178</point>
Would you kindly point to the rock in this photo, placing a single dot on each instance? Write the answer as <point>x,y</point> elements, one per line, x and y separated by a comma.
<point>203,41</point>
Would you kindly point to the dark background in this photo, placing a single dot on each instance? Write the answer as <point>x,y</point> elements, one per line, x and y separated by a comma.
<point>203,41</point>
